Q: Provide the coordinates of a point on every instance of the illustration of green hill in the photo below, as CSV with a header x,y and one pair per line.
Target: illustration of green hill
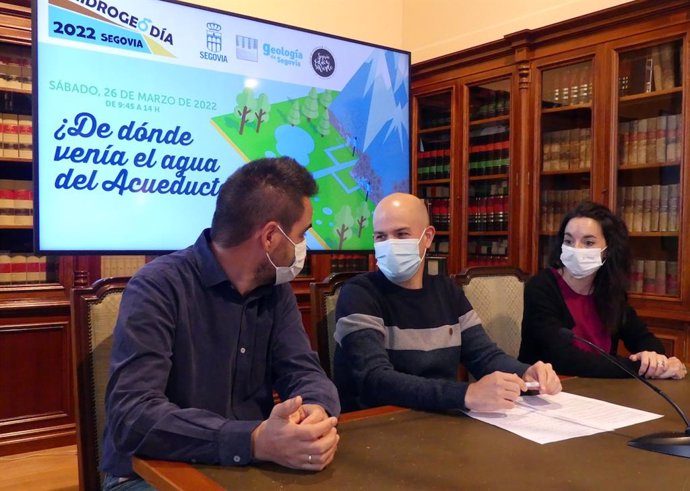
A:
x,y
301,128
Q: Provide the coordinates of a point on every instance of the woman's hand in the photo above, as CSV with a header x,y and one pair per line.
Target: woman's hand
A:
x,y
655,365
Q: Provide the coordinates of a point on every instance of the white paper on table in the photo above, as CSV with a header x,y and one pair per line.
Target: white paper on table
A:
x,y
552,418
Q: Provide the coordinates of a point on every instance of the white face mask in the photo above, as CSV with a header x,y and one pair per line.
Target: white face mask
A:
x,y
398,259
581,262
285,274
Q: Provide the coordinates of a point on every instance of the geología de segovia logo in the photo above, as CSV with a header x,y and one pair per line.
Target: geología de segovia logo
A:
x,y
283,55
322,62
214,44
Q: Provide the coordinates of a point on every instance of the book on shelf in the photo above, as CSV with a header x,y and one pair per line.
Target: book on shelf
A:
x,y
656,277
638,207
667,72
650,141
567,149
633,142
646,208
641,147
10,135
637,275
17,268
655,206
673,203
655,57
13,70
673,138
22,268
33,269
7,207
649,277
25,139
5,268
650,208
23,203
663,208
26,73
661,129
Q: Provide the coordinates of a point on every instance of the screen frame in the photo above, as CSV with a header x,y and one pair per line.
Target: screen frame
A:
x,y
151,252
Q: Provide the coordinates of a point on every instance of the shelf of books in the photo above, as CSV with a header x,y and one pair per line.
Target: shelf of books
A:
x,y
433,166
649,157
566,146
488,211
19,266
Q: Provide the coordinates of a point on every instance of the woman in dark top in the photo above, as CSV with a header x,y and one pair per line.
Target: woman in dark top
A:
x,y
585,291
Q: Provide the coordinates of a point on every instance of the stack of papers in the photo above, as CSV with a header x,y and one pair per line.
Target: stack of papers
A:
x,y
546,418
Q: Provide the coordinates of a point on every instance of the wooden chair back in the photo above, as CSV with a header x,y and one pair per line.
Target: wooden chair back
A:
x,y
324,296
94,314
496,295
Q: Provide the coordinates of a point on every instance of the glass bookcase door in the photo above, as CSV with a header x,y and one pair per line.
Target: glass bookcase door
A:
x,y
488,211
566,146
433,166
19,265
649,163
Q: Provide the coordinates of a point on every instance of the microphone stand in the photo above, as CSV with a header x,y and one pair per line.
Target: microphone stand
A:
x,y
668,442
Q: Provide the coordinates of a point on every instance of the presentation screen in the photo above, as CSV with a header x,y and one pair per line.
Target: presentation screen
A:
x,y
143,108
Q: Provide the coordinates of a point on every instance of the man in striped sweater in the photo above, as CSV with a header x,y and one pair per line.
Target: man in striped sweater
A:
x,y
401,333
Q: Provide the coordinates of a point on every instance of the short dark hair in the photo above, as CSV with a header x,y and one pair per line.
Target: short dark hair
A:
x,y
612,280
258,192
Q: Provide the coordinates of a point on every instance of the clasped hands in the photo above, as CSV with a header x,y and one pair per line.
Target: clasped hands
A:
x,y
296,435
499,390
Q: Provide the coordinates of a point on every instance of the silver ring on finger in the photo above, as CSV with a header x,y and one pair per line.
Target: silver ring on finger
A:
x,y
309,459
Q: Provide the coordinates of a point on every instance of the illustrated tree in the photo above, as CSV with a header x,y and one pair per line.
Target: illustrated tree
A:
x,y
294,116
310,108
324,126
263,108
245,107
343,223
363,214
325,98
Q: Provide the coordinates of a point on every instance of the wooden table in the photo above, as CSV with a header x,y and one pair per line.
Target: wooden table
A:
x,y
391,448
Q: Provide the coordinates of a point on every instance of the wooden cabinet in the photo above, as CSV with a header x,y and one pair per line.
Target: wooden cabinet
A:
x,y
36,394
590,108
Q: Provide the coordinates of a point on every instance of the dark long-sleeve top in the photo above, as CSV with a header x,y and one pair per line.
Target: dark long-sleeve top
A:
x,y
545,316
400,346
193,363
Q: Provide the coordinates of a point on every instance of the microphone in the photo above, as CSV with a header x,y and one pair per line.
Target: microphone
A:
x,y
671,443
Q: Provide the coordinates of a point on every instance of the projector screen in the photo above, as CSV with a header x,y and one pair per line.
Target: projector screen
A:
x,y
142,109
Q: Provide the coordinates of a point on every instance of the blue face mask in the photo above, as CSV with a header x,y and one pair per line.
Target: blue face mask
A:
x,y
398,259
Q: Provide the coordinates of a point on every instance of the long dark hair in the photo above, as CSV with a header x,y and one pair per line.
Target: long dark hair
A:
x,y
612,280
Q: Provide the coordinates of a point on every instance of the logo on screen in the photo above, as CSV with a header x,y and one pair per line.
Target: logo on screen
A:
x,y
214,44
214,38
283,55
246,48
322,62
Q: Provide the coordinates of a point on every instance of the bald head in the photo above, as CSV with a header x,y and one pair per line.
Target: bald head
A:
x,y
400,212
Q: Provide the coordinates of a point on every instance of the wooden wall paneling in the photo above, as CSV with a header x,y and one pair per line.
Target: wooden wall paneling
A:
x,y
36,402
674,335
